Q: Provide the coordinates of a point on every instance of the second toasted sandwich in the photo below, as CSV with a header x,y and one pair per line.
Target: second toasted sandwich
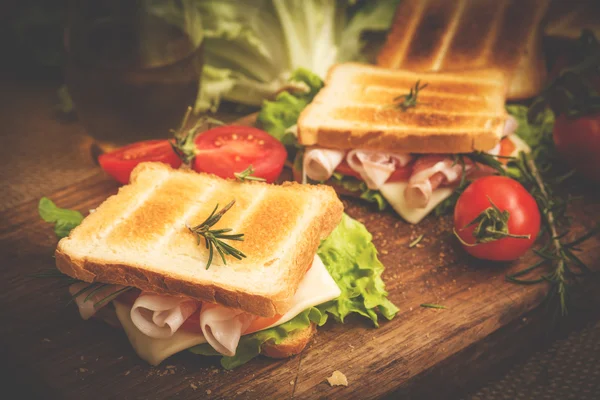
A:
x,y
394,134
440,35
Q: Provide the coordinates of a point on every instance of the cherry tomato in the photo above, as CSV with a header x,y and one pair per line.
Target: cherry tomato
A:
x,y
120,162
400,174
228,149
577,140
507,194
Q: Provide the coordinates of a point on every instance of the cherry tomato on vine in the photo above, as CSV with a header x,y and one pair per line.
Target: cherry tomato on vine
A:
x,y
496,219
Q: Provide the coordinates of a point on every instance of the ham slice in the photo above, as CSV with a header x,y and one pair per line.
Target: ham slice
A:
x,y
430,172
222,327
319,164
374,167
87,308
160,316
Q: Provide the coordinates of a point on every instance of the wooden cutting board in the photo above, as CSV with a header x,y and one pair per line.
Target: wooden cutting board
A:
x,y
423,352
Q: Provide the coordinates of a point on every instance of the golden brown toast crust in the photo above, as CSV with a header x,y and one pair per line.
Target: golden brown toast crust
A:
x,y
292,345
440,35
457,113
146,244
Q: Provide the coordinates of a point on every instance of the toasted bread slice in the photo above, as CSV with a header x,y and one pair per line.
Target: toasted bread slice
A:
x,y
292,345
139,238
455,113
440,35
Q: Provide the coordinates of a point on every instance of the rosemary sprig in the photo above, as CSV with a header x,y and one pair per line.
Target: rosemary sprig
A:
x,y
214,238
183,139
246,175
429,305
557,256
409,100
415,242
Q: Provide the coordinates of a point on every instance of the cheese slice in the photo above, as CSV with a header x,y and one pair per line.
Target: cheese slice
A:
x,y
394,191
316,288
151,350
394,194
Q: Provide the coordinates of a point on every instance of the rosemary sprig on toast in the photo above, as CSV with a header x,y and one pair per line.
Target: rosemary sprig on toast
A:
x,y
214,239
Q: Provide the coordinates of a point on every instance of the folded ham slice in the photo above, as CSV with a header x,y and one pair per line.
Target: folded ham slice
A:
x,y
222,327
375,167
319,164
430,172
160,316
87,308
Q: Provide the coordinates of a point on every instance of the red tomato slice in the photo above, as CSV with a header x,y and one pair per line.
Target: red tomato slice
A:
x,y
506,148
345,169
120,162
400,174
261,323
228,149
192,324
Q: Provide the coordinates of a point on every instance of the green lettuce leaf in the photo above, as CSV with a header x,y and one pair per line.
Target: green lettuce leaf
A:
x,y
537,133
354,185
258,43
64,220
351,259
277,116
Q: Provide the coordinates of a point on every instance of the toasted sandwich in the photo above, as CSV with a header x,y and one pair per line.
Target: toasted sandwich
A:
x,y
180,272
374,131
439,35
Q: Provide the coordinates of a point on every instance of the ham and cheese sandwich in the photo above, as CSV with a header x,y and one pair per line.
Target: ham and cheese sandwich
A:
x,y
355,130
441,35
136,251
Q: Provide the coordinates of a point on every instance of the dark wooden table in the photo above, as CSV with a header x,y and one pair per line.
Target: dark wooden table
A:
x,y
422,353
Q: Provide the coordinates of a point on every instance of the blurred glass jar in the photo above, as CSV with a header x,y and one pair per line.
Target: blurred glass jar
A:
x,y
133,66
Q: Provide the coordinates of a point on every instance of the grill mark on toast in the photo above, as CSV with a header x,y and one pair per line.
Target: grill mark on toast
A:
x,y
90,225
434,26
180,225
449,37
406,21
157,215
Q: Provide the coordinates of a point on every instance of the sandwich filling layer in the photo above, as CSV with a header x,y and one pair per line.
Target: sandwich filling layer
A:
x,y
159,326
414,184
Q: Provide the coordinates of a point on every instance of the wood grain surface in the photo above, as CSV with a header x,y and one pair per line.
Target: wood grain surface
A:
x,y
421,353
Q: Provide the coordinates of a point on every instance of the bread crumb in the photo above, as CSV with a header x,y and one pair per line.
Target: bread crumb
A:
x,y
120,358
81,358
46,340
337,379
193,386
170,367
83,370
208,391
291,383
